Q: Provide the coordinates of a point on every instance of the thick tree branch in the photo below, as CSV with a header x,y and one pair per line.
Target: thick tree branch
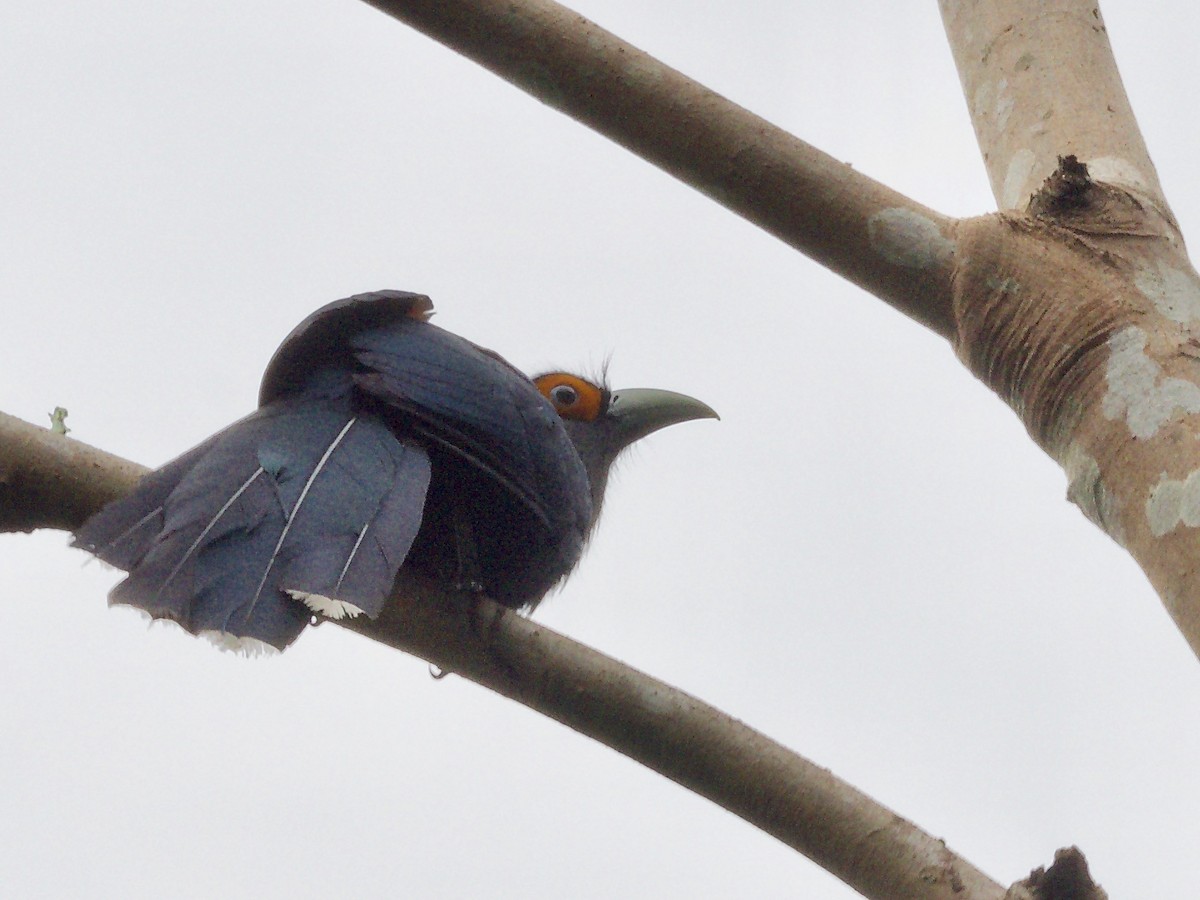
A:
x,y
48,480
875,237
1079,308
868,846
1083,313
1041,82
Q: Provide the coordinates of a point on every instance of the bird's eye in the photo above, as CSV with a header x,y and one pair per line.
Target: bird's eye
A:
x,y
572,397
564,395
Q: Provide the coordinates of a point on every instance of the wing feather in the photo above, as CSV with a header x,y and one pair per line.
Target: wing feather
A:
x,y
481,409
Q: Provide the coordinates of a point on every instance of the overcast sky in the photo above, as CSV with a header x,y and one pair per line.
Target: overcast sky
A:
x,y
867,558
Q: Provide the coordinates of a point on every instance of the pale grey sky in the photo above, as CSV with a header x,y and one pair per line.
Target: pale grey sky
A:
x,y
866,559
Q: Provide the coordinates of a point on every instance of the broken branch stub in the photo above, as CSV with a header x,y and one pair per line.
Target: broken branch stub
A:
x,y
1084,315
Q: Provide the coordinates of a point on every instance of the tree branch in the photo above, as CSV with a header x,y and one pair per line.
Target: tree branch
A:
x,y
868,846
1084,314
1071,313
48,480
1041,82
870,234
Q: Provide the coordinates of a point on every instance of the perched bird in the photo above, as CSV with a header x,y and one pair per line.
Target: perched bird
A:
x,y
381,442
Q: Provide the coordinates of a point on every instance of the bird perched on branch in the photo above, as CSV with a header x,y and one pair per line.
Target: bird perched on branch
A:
x,y
381,442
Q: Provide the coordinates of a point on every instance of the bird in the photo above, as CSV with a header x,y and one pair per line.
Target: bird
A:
x,y
382,444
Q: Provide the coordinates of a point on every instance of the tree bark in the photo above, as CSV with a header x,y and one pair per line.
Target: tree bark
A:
x,y
877,238
1041,82
1078,307
1075,302
1078,304
874,850
48,480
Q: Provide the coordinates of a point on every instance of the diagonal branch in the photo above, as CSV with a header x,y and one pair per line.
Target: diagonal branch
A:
x,y
48,480
866,232
868,846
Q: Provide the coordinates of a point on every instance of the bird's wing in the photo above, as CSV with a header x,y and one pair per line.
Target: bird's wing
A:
x,y
323,338
477,406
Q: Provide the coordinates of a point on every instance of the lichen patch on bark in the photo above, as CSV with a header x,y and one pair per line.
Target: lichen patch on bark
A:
x,y
1174,502
908,239
1005,101
1173,291
1017,178
1118,172
1137,389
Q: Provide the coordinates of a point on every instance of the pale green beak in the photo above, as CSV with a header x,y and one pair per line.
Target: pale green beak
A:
x,y
637,412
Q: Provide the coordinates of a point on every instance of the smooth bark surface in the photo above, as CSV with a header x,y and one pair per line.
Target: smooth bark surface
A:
x,y
1040,82
49,480
877,238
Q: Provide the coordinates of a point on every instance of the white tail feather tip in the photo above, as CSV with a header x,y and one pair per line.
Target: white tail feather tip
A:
x,y
326,606
243,646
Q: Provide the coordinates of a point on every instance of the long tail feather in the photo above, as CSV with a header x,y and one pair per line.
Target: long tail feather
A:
x,y
299,497
358,519
124,530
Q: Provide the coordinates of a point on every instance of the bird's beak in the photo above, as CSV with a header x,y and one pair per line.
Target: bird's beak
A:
x,y
637,412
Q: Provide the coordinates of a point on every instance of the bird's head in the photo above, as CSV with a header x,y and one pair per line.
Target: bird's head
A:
x,y
602,422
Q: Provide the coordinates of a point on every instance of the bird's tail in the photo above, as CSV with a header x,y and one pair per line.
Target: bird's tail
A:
x,y
305,506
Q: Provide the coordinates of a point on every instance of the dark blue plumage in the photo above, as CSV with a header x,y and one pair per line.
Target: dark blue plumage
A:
x,y
381,442
315,500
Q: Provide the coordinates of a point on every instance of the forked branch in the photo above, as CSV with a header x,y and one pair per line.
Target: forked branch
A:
x,y
1080,309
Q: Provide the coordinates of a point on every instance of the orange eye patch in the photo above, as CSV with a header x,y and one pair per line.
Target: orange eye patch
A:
x,y
572,397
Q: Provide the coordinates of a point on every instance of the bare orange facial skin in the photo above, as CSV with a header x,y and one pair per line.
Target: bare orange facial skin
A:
x,y
572,397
